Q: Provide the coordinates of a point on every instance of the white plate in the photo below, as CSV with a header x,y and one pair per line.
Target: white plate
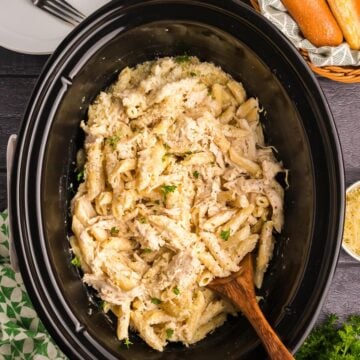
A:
x,y
27,29
344,246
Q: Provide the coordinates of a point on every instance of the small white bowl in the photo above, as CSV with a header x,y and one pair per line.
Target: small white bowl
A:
x,y
355,256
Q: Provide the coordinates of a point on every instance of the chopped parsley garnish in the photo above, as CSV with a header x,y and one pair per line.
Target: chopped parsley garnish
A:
x,y
147,251
156,301
157,202
127,343
166,189
196,174
142,220
169,333
80,176
113,140
114,231
225,234
192,74
182,59
102,304
76,262
166,146
176,290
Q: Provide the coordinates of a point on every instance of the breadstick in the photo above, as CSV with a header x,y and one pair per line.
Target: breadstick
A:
x,y
347,14
316,21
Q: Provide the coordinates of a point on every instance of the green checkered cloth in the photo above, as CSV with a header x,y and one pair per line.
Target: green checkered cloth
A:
x,y
340,55
22,335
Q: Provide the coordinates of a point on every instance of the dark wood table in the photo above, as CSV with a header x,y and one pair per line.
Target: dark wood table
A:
x,y
18,74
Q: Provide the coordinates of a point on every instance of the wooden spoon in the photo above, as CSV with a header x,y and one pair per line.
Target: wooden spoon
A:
x,y
239,288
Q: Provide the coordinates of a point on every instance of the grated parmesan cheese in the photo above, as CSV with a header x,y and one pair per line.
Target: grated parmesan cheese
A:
x,y
352,221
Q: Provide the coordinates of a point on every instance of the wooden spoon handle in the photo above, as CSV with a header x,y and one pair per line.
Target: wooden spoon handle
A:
x,y
241,292
274,346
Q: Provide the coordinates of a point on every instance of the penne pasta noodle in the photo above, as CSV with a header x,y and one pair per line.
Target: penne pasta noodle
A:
x,y
95,177
266,247
218,219
248,165
237,90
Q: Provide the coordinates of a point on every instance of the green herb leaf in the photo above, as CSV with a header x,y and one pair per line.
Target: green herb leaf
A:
x,y
113,140
196,174
333,342
114,231
166,189
225,234
176,290
156,301
169,333
182,59
192,73
157,202
127,343
76,262
147,251
142,220
80,176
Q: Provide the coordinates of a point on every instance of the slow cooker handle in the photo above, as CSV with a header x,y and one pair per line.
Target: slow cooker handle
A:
x,y
9,164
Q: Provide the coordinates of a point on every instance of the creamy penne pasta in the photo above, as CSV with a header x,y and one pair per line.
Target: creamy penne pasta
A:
x,y
177,190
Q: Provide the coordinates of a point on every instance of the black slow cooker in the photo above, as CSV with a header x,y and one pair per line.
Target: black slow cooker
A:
x,y
297,122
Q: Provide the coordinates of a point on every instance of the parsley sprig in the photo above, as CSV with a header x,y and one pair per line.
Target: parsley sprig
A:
x,y
225,234
156,301
80,176
176,290
196,174
167,189
169,333
182,59
127,343
102,305
332,341
76,262
113,140
114,231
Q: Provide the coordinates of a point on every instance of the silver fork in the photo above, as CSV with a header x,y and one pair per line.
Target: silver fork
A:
x,y
61,9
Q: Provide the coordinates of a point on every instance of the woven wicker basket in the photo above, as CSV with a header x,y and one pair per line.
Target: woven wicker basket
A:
x,y
345,74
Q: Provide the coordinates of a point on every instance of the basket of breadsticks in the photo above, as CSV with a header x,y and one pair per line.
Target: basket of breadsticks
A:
x,y
326,32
